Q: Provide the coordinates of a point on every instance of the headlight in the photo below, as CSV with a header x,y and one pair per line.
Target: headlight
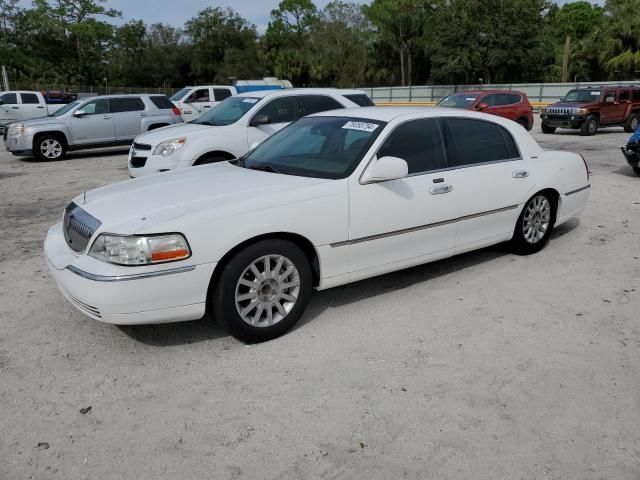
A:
x,y
169,147
140,250
16,129
580,111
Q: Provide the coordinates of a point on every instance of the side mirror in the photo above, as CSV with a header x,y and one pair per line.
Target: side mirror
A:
x,y
259,119
482,106
384,169
79,113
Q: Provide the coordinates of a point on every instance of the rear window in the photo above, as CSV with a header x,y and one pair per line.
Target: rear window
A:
x,y
220,94
29,98
126,104
360,99
458,100
162,102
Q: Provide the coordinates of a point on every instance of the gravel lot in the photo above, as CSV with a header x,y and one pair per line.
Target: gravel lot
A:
x,y
483,366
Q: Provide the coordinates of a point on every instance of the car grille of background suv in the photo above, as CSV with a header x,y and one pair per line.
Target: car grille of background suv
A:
x,y
78,227
559,111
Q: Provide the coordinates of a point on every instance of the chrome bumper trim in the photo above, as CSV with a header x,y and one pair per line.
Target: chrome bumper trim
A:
x,y
124,278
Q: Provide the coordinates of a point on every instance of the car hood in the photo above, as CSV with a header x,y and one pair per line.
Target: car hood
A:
x,y
154,137
34,122
221,189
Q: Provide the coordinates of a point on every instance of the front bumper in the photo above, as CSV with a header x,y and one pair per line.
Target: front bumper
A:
x,y
142,163
571,121
632,155
127,295
19,144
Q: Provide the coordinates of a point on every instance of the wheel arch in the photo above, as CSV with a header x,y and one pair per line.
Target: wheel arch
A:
x,y
58,133
301,241
214,153
157,125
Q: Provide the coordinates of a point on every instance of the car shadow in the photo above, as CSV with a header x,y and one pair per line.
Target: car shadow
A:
x,y
180,333
80,154
627,171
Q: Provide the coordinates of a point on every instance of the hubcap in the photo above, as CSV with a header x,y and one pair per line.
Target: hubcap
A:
x,y
537,217
634,123
51,148
267,290
592,126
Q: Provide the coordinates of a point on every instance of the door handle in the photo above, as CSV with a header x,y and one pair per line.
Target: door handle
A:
x,y
40,106
106,117
520,174
440,189
207,106
16,108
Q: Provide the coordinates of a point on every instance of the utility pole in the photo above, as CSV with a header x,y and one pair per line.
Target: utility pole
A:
x,y
5,79
565,60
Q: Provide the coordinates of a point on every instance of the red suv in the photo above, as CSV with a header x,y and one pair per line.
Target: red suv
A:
x,y
504,103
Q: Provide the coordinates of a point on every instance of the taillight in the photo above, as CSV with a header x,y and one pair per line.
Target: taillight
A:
x,y
586,167
176,111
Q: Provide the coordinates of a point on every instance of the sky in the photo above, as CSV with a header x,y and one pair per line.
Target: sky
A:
x,y
176,12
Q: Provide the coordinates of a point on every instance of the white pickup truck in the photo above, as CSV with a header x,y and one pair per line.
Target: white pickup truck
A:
x,y
18,105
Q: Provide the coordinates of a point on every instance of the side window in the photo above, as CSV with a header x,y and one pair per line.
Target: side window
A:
x,y
29,98
636,95
220,94
623,95
280,110
471,142
200,95
510,98
610,96
308,104
96,107
9,99
126,104
419,143
360,99
491,100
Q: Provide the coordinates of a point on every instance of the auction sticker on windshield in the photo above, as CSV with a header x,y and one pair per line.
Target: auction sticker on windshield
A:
x,y
362,126
250,100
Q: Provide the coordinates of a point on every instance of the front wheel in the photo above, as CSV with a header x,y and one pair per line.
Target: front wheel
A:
x,y
548,129
534,225
49,147
263,291
637,170
589,126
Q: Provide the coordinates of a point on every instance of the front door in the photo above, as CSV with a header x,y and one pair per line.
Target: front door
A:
x,y
96,125
406,221
31,106
9,109
490,175
128,113
280,112
612,109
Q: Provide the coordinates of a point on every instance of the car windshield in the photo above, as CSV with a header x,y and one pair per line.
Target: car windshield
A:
x,y
67,108
318,147
458,100
582,96
227,112
178,95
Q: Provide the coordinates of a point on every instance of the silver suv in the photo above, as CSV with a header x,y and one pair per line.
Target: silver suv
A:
x,y
90,123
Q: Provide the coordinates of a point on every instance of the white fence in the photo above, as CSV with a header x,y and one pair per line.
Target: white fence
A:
x,y
537,92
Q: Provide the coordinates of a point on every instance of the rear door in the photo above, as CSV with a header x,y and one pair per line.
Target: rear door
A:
x,y
96,125
31,106
503,104
220,94
9,109
198,102
281,112
127,115
490,176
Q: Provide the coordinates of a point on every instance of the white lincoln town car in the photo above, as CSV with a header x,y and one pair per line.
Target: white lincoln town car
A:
x,y
333,198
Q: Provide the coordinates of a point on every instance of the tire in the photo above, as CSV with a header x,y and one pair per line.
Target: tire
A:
x,y
535,224
524,123
637,170
590,126
238,289
547,129
49,148
632,123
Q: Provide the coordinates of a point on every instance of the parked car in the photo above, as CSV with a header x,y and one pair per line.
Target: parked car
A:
x,y
504,103
18,105
631,151
587,109
90,123
334,198
194,101
230,129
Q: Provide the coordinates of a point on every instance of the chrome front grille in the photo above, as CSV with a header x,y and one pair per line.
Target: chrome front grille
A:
x,y
559,111
78,227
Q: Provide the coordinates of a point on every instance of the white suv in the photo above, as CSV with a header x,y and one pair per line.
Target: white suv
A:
x,y
233,127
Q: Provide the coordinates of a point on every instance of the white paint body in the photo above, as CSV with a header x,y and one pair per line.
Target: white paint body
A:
x,y
21,110
219,206
235,139
191,110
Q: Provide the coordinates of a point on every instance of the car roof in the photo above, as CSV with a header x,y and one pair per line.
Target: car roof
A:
x,y
301,91
490,91
120,95
387,114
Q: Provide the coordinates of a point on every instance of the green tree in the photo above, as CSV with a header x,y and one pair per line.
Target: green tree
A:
x,y
619,39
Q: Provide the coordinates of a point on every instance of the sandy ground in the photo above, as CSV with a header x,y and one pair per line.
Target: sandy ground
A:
x,y
483,366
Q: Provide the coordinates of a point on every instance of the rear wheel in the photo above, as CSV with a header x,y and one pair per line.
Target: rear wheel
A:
x,y
535,224
263,290
632,123
524,123
548,129
49,147
589,126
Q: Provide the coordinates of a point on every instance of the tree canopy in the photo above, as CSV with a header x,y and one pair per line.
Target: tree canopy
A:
x,y
383,42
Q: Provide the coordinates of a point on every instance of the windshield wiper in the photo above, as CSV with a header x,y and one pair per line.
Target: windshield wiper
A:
x,y
264,168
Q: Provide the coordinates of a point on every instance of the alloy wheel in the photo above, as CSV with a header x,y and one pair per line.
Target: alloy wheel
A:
x,y
267,290
536,220
51,148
